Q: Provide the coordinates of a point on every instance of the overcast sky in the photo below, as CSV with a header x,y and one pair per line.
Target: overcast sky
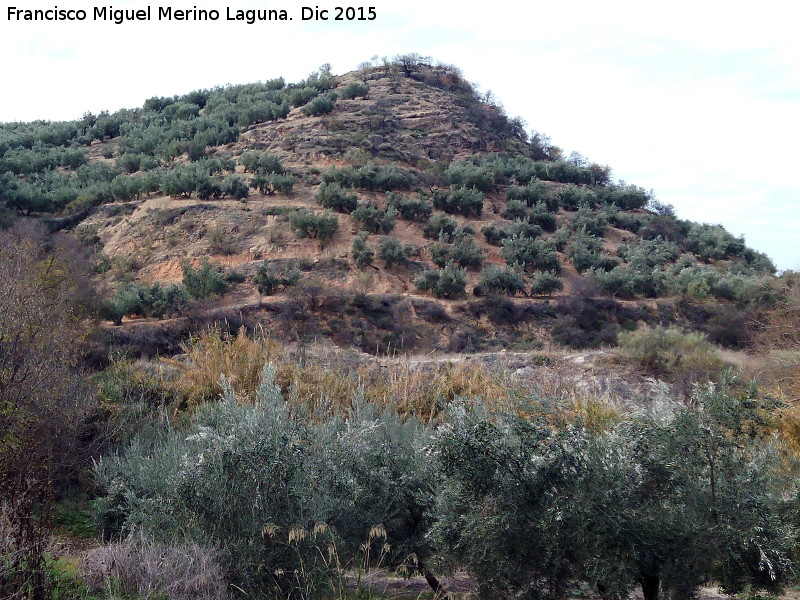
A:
x,y
699,101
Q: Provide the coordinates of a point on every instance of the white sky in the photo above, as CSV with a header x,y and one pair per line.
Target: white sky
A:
x,y
698,100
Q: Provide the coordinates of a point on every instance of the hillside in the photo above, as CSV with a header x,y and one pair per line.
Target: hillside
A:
x,y
388,209
301,340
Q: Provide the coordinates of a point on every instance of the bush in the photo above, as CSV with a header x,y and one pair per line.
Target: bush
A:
x,y
302,485
448,282
499,280
206,281
530,254
571,197
408,208
440,227
684,357
464,252
263,163
353,90
321,105
584,251
459,201
331,195
591,222
370,177
468,175
269,184
532,194
270,279
392,252
546,283
315,226
362,254
374,219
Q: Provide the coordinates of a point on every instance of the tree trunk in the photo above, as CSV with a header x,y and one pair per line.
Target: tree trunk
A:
x,y
650,585
440,592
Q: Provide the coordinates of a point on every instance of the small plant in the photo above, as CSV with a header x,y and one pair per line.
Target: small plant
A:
x,y
208,280
270,279
448,282
499,280
315,226
374,219
545,283
362,254
440,227
332,196
393,253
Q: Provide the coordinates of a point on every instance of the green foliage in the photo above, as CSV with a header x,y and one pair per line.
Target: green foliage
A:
x,y
409,208
545,283
440,227
499,280
374,219
463,251
269,184
534,500
626,197
207,280
468,175
353,90
235,187
148,301
302,95
464,201
532,194
262,163
332,196
672,353
584,251
530,254
321,105
362,254
392,252
301,484
447,282
270,279
590,221
571,197
315,226
380,178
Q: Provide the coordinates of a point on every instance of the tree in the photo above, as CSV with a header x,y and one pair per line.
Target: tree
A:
x,y
207,280
44,408
392,252
362,254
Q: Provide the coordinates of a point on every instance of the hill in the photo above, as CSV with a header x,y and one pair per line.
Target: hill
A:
x,y
391,208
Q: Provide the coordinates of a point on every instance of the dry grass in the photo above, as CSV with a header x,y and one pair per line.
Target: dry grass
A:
x,y
141,568
332,383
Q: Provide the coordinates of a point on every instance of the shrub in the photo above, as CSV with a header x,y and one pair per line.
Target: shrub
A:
x,y
499,280
331,195
684,357
269,184
370,177
464,252
374,219
592,222
532,194
315,226
546,283
627,197
302,96
408,208
270,279
530,254
440,227
362,254
540,215
468,175
516,209
571,197
205,281
321,105
261,162
392,252
353,90
584,251
465,201
448,282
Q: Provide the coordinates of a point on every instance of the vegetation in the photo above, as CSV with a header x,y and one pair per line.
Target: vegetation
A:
x,y
447,282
